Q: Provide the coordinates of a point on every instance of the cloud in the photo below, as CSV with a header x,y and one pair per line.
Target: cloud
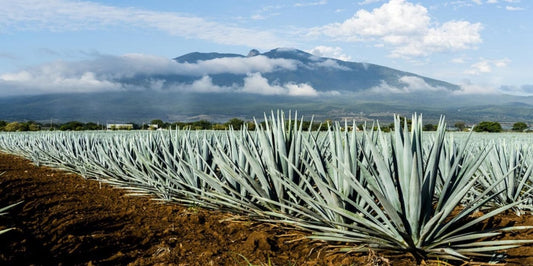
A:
x,y
130,65
329,63
140,72
328,51
48,80
366,2
486,66
467,87
65,15
240,65
458,60
256,83
410,84
513,8
524,90
258,17
316,3
404,27
202,85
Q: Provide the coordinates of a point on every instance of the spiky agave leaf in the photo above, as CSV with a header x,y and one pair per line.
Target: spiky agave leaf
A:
x,y
404,212
509,162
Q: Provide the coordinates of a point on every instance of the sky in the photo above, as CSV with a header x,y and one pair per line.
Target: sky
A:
x,y
485,46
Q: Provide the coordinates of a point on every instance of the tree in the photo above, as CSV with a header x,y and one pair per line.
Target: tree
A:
x,y
460,125
14,126
34,127
220,127
488,126
519,126
201,124
429,127
236,123
91,126
251,125
385,129
72,125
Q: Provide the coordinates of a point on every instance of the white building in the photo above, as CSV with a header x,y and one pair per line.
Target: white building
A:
x,y
119,126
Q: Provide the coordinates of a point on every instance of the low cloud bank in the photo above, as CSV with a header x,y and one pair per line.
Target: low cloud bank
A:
x,y
409,84
524,90
138,72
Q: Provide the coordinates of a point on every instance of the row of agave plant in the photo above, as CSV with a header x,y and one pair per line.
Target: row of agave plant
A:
x,y
403,191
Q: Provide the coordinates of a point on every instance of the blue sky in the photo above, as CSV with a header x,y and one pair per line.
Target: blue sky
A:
x,y
483,45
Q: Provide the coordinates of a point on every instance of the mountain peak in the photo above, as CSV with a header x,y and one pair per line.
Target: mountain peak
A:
x,y
197,56
253,52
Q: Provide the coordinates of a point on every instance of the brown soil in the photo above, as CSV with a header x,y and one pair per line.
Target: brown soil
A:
x,y
67,220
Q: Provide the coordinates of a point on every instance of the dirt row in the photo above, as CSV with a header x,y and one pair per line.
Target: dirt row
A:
x,y
67,220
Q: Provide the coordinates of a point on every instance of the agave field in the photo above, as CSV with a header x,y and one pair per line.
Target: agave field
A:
x,y
408,191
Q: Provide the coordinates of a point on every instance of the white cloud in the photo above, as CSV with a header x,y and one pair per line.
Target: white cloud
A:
x,y
410,84
256,83
316,3
51,81
329,63
241,65
138,72
405,27
205,84
492,1
468,87
513,8
486,66
328,51
132,64
477,2
366,2
65,15
258,17
301,89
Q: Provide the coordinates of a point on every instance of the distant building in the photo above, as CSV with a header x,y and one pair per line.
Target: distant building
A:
x,y
119,126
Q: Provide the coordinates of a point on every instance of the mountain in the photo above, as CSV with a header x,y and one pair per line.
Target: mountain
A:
x,y
196,56
323,74
220,86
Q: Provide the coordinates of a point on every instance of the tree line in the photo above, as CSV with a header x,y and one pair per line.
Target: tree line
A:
x,y
235,123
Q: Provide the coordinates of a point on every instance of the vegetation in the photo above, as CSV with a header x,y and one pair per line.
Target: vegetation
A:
x,y
460,125
234,123
488,126
519,126
20,126
401,192
430,127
